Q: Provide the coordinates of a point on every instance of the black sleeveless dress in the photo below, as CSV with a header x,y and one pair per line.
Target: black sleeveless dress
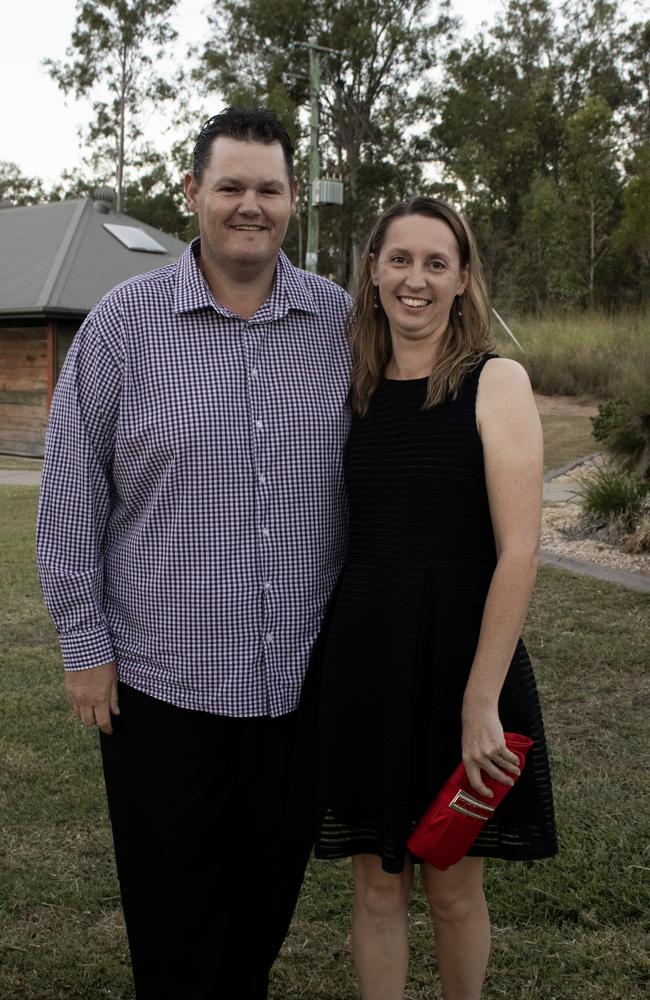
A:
x,y
381,706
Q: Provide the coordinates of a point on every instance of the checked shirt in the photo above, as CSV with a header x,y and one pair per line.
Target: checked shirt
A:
x,y
192,520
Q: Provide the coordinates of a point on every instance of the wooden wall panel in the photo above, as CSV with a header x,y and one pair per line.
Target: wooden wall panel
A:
x,y
23,359
23,390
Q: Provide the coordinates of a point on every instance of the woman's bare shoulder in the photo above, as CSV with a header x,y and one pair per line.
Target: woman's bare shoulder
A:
x,y
504,392
504,372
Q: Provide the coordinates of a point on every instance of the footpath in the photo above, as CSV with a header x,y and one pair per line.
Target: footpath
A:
x,y
553,493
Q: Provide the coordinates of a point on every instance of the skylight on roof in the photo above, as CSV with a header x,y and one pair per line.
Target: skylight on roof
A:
x,y
134,239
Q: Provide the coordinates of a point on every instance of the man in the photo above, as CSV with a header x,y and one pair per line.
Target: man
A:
x,y
191,528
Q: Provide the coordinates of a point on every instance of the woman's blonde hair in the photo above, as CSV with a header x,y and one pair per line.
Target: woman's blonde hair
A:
x,y
467,336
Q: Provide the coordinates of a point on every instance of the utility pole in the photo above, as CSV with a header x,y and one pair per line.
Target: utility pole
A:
x,y
328,192
311,259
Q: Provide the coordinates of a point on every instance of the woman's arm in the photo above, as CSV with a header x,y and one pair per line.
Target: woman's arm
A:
x,y
511,433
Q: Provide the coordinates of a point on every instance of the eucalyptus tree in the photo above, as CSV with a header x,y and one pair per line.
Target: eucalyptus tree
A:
x,y
111,60
535,118
16,188
638,79
593,50
631,240
155,195
593,184
538,269
497,125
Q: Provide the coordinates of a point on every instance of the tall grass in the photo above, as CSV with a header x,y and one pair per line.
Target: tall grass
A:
x,y
588,354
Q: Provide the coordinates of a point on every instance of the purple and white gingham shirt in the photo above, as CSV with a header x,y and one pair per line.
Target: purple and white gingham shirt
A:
x,y
192,519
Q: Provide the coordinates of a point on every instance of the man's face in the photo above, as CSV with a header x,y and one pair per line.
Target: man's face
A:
x,y
243,203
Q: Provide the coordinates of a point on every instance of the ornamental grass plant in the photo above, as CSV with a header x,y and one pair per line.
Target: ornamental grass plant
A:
x,y
617,495
611,499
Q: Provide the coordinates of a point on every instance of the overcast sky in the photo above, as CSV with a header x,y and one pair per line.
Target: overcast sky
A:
x,y
39,131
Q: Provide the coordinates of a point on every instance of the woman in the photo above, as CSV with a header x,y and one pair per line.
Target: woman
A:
x,y
420,662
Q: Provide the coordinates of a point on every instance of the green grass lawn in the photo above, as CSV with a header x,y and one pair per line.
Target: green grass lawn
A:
x,y
572,928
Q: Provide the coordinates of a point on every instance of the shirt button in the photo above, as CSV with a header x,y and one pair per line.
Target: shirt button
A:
x,y
259,424
267,585
254,372
265,532
268,637
263,480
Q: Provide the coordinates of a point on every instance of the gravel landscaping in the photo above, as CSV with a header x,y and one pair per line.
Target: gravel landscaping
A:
x,y
561,532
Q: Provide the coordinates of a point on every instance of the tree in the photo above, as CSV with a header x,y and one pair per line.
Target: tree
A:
x,y
631,241
537,116
540,264
18,189
593,187
113,47
155,197
497,124
374,92
638,67
593,49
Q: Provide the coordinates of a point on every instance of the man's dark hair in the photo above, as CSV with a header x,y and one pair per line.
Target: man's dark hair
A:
x,y
246,124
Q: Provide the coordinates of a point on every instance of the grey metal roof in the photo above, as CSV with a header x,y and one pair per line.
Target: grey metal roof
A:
x,y
58,258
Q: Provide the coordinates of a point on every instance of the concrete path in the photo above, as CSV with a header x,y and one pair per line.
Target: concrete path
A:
x,y
633,581
558,493
20,477
561,492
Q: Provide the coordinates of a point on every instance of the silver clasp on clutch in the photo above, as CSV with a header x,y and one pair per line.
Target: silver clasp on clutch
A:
x,y
466,804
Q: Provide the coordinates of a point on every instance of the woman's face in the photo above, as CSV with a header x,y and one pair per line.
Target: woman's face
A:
x,y
418,274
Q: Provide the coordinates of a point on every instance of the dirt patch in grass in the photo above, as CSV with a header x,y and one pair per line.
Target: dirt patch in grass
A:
x,y
565,406
566,438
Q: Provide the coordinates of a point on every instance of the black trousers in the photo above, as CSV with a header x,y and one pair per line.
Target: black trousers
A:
x,y
209,878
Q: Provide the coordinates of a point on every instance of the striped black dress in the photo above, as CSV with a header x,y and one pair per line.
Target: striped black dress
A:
x,y
382,701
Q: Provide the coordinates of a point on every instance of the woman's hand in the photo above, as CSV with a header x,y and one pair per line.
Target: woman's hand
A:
x,y
484,749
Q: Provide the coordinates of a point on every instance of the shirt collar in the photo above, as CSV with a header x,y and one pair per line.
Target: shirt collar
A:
x,y
289,290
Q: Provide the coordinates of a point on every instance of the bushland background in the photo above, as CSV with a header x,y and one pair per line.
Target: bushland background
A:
x,y
538,126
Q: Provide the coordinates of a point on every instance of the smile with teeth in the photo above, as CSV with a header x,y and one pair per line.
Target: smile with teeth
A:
x,y
249,229
414,303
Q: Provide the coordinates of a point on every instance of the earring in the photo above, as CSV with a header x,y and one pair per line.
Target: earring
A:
x,y
459,311
376,301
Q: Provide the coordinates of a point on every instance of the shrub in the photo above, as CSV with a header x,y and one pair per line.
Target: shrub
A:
x,y
609,416
623,425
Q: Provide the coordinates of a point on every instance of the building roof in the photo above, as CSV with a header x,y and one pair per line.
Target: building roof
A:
x,y
59,259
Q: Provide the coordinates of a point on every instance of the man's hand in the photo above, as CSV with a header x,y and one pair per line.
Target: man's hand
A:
x,y
92,695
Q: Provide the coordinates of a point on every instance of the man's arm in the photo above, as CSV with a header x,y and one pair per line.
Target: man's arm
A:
x,y
73,511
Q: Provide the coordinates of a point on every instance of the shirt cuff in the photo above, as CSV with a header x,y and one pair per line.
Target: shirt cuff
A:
x,y
86,649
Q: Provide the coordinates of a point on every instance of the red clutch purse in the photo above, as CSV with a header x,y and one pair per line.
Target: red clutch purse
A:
x,y
454,819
